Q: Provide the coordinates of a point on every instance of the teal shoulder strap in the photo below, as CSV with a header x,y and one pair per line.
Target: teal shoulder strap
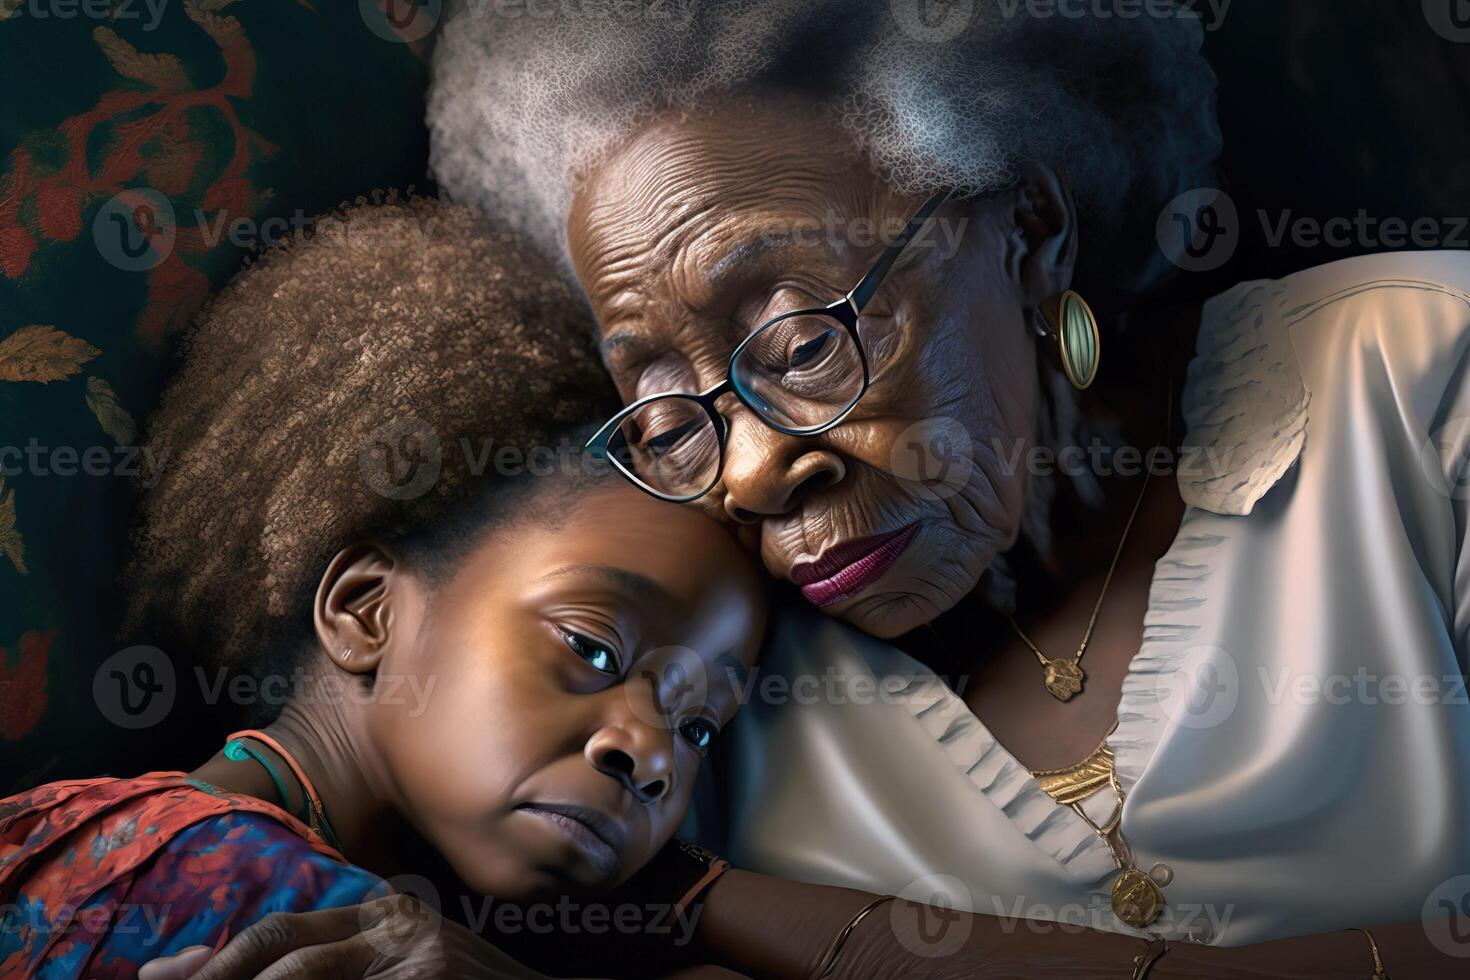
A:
x,y
237,751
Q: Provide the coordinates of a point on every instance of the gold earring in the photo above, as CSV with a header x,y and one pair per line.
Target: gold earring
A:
x,y
1071,322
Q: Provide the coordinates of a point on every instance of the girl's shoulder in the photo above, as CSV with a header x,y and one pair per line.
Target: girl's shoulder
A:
x,y
98,876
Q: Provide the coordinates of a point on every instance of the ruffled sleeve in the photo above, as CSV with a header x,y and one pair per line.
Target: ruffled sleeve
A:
x,y
1245,406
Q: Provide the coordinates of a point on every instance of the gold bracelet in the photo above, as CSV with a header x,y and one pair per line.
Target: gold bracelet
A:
x,y
1378,973
1145,960
829,960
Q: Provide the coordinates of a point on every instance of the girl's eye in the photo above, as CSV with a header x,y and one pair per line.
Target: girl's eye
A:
x,y
599,656
699,734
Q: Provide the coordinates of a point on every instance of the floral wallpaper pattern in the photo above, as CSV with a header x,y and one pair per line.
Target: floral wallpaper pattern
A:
x,y
145,151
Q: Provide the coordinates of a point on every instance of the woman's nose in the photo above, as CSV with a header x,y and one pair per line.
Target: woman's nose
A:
x,y
637,753
769,473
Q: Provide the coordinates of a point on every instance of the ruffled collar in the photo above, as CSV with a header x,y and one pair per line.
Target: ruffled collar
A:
x,y
1245,409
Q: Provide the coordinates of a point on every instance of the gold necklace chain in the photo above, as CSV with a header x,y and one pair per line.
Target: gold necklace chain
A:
x,y
1064,678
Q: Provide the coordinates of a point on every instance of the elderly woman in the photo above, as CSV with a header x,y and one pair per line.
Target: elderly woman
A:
x,y
841,257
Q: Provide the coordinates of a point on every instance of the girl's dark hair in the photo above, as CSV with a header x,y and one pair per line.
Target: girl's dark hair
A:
x,y
400,365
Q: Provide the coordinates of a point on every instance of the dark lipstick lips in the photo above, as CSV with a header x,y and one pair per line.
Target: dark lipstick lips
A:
x,y
846,569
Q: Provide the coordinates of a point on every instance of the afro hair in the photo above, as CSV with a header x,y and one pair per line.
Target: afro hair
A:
x,y
340,387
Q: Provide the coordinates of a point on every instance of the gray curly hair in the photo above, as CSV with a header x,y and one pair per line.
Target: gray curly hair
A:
x,y
528,93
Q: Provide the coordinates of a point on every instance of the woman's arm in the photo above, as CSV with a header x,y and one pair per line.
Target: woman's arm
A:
x,y
768,927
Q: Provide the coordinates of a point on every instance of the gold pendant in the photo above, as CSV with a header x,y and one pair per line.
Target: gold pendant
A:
x,y
1063,678
1137,898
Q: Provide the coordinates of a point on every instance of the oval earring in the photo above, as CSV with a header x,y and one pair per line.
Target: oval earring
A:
x,y
1071,322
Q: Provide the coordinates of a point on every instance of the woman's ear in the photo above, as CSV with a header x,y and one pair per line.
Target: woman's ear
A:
x,y
1043,244
354,608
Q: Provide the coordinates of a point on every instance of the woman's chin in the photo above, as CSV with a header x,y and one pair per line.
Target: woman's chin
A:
x,y
889,610
892,616
938,567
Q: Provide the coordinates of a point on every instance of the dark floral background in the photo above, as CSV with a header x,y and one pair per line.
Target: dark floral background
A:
x,y
142,159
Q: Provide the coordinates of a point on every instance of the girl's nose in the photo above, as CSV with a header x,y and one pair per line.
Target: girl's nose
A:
x,y
635,746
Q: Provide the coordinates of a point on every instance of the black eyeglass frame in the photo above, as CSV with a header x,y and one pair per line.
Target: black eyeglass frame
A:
x,y
846,311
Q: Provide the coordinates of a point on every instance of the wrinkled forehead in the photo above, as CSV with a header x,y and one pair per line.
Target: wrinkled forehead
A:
x,y
685,198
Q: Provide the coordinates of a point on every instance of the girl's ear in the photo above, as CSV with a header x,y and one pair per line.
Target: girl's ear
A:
x,y
353,612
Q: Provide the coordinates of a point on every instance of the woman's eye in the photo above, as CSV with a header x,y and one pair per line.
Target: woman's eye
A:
x,y
664,441
809,350
699,734
599,656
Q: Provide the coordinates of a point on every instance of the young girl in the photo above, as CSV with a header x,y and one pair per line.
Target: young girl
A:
x,y
498,659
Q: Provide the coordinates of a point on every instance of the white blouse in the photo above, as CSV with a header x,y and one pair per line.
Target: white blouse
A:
x,y
1293,735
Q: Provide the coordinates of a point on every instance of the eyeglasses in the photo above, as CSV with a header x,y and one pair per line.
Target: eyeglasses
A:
x,y
801,373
